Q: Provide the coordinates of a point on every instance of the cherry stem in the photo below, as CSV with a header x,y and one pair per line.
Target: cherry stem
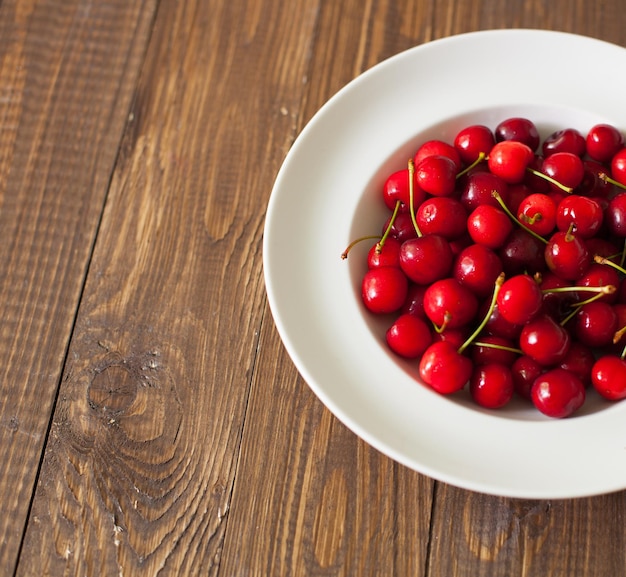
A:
x,y
411,197
498,347
606,178
492,305
549,179
601,260
481,157
608,289
344,254
381,243
579,305
618,335
506,209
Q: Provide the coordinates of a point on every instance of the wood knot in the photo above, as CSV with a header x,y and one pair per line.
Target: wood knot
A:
x,y
113,389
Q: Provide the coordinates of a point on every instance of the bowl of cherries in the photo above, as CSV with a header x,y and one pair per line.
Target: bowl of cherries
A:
x,y
444,255
502,256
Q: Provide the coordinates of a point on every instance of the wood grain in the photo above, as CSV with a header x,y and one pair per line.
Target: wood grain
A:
x,y
138,472
64,98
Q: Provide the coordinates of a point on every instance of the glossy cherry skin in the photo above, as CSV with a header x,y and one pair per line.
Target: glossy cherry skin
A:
x,y
564,167
478,189
595,324
396,188
401,228
520,130
599,275
522,253
608,377
447,303
426,259
524,372
444,368
509,160
437,147
603,142
387,255
558,393
384,289
545,341
519,299
618,166
579,360
436,175
489,225
443,215
409,336
473,140
567,255
414,303
566,140
491,385
477,267
584,214
615,215
538,213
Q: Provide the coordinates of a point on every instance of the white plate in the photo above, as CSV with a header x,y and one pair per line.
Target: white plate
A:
x,y
327,194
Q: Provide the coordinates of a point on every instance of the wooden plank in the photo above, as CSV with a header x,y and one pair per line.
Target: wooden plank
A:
x,y
66,74
138,473
480,535
335,506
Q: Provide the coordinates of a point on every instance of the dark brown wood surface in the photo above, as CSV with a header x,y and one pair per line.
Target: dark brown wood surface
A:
x,y
151,421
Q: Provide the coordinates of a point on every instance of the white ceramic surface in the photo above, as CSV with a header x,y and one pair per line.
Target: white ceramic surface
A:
x,y
327,193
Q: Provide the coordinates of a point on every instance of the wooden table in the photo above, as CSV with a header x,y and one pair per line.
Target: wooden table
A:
x,y
150,419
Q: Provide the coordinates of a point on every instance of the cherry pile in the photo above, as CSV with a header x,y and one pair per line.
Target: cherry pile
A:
x,y
500,264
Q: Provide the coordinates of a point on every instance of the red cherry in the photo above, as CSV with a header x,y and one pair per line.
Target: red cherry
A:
x,y
608,377
509,160
471,141
426,259
491,385
437,148
479,187
522,252
384,289
615,215
401,228
519,130
567,255
477,267
396,188
583,214
545,341
409,336
567,140
387,255
599,275
519,299
444,368
414,303
603,142
579,360
564,167
447,303
443,215
436,175
524,372
489,225
595,324
538,213
558,393
618,166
